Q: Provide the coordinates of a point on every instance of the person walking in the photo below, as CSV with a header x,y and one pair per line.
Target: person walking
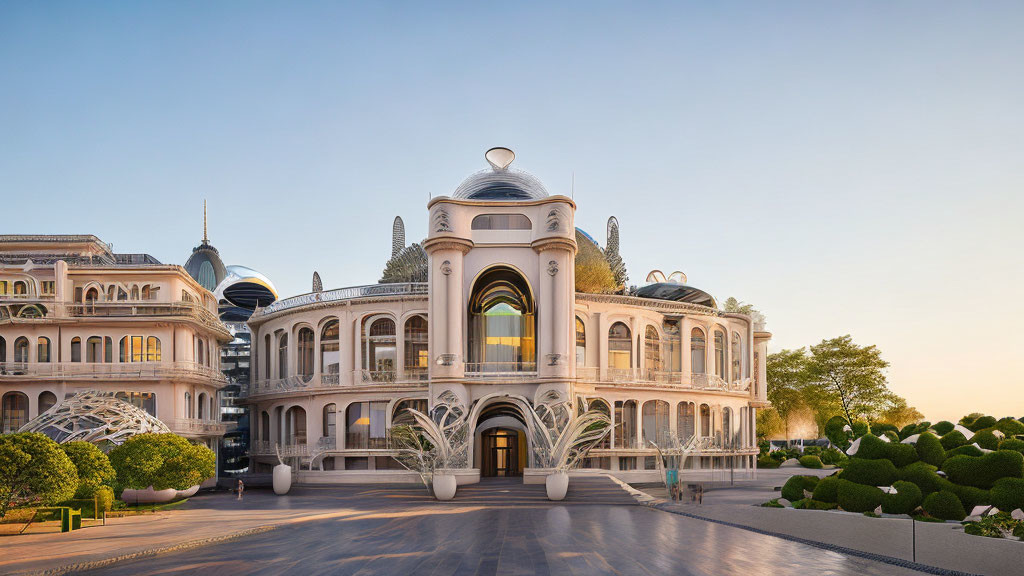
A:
x,y
241,488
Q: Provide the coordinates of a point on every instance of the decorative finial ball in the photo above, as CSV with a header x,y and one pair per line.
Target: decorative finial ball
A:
x,y
500,158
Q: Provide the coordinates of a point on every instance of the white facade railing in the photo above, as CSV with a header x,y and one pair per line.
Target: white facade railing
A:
x,y
198,426
105,371
401,289
500,369
633,376
146,308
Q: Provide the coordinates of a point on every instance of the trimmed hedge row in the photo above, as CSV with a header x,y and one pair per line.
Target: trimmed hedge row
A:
x,y
966,450
827,489
869,472
810,504
1007,494
986,439
1012,444
943,427
944,505
906,499
810,462
793,489
854,497
983,471
929,449
953,439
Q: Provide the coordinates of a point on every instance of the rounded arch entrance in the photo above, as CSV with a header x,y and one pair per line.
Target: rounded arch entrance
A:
x,y
502,322
500,437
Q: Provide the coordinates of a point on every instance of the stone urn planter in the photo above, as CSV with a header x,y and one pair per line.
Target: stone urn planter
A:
x,y
188,492
444,485
148,496
557,485
282,479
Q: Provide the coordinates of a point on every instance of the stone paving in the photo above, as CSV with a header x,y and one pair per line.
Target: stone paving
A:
x,y
497,527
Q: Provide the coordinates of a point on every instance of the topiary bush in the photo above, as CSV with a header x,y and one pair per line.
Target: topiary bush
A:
x,y
827,489
161,461
93,467
869,472
1009,426
944,505
983,471
834,431
833,457
986,439
810,462
860,428
1007,494
793,489
906,499
878,429
929,449
810,504
1012,444
943,427
952,440
874,448
969,495
923,475
981,423
812,450
34,468
965,450
767,462
854,497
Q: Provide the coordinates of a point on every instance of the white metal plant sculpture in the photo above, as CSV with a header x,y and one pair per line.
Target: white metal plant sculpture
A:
x,y
97,417
446,431
560,439
672,455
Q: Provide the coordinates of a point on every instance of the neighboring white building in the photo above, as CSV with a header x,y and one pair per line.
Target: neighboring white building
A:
x,y
498,311
76,316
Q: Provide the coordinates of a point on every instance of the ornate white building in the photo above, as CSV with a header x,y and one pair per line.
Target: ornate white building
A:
x,y
496,310
75,316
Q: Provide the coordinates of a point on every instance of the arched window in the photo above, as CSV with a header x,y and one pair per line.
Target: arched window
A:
x,y
21,349
213,406
47,400
401,416
672,361
620,347
265,426
153,353
282,356
380,347
278,415
697,351
122,296
330,421
92,295
305,356
189,408
330,357
416,355
501,222
42,349
625,424
720,354
655,423
201,351
14,411
20,287
295,426
76,349
108,349
366,425
685,421
705,420
201,401
123,355
111,293
135,292
736,357
502,323
727,426
652,352
581,343
94,349
146,292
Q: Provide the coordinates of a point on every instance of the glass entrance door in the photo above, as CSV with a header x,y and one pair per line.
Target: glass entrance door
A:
x,y
501,453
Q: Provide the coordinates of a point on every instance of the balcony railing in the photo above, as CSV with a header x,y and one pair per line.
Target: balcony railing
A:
x,y
198,426
105,371
26,297
402,289
633,376
146,309
500,369
331,380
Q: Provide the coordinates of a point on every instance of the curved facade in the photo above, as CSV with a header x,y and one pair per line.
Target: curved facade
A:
x,y
497,322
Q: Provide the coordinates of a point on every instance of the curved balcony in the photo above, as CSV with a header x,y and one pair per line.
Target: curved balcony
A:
x,y
121,371
642,378
147,309
360,378
501,370
402,289
192,427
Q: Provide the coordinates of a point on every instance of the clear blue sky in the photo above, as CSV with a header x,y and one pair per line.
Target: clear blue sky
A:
x,y
848,168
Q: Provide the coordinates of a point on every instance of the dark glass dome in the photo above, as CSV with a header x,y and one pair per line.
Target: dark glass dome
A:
x,y
677,293
505,184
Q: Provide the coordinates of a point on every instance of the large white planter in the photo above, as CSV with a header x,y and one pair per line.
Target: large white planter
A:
x,y
444,486
188,492
148,496
557,485
282,479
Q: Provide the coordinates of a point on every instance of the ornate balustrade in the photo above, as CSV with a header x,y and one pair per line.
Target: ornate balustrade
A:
x,y
105,371
501,369
198,426
635,377
401,289
146,308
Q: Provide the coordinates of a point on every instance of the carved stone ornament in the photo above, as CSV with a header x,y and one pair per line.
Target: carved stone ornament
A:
x,y
446,359
552,267
554,359
554,220
446,267
441,221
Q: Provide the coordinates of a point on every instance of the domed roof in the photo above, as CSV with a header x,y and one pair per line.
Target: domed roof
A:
x,y
93,416
206,266
244,287
678,293
500,183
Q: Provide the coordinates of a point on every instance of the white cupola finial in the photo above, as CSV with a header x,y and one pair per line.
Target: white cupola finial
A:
x,y
499,158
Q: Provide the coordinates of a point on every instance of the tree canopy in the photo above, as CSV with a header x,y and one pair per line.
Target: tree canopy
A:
x,y
93,467
161,461
33,467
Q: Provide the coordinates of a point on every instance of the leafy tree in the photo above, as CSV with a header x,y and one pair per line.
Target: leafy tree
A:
x,y
853,376
769,423
593,274
93,466
898,413
161,461
787,379
32,466
409,265
735,306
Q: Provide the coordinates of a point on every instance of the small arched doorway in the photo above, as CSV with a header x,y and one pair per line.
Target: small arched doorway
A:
x,y
501,445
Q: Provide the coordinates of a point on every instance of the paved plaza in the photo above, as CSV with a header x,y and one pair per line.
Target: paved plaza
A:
x,y
496,527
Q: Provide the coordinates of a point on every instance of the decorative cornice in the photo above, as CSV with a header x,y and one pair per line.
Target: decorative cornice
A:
x,y
555,243
446,242
556,199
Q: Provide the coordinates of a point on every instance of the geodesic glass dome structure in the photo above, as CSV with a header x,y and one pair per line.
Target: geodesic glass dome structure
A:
x,y
97,417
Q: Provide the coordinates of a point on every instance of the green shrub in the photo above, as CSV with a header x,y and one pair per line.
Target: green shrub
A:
x,y
869,472
983,471
986,439
1007,494
104,498
835,433
981,423
32,466
161,461
793,489
943,427
854,497
810,462
995,526
827,489
965,450
1009,426
952,440
944,505
809,504
907,498
833,457
874,448
92,465
812,450
923,475
911,429
969,495
773,503
1012,444
767,463
929,449
878,429
860,428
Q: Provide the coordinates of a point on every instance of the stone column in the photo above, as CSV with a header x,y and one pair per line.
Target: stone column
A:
x,y
447,315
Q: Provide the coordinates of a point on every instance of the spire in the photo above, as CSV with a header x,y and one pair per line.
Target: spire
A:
x,y
206,240
397,236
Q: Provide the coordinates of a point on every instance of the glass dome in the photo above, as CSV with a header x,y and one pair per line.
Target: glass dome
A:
x,y
505,184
